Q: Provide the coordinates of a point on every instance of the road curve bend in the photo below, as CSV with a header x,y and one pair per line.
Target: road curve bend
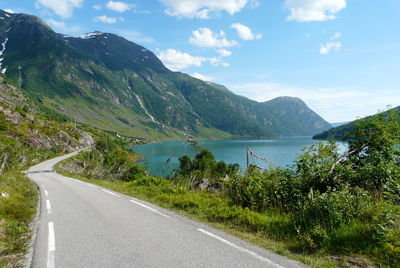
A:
x,y
85,225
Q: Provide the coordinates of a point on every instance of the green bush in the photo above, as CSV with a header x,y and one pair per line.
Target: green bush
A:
x,y
204,166
331,209
276,188
110,161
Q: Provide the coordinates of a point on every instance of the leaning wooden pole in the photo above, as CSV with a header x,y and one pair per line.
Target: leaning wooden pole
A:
x,y
247,158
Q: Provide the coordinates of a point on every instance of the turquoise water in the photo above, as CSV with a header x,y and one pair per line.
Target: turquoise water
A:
x,y
162,158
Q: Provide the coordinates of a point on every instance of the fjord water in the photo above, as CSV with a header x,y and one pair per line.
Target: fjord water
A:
x,y
163,157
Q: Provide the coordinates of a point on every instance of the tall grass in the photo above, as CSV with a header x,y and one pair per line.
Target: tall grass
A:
x,y
16,212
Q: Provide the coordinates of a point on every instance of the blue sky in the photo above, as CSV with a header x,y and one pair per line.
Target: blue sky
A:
x,y
342,57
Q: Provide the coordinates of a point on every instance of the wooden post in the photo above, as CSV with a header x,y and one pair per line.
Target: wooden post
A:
x,y
247,158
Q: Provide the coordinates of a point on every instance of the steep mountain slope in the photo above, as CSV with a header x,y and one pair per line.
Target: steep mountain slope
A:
x,y
111,83
339,132
26,136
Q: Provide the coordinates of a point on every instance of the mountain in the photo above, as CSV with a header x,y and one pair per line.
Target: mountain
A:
x,y
26,135
106,81
339,132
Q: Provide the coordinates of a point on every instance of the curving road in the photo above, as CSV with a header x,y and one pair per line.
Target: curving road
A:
x,y
84,225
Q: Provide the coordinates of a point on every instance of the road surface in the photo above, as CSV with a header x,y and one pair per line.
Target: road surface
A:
x,y
85,225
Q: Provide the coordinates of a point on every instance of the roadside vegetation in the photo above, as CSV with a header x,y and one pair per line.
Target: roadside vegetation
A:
x,y
18,201
330,209
27,137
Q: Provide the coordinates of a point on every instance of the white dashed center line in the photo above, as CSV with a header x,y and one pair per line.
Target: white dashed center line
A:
x,y
48,205
51,247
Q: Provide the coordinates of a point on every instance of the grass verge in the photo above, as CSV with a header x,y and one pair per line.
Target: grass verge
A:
x,y
268,230
18,204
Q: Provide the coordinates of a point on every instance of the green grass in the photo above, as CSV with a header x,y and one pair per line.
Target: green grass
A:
x,y
16,212
271,230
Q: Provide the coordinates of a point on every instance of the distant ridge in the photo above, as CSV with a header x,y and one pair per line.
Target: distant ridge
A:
x,y
339,132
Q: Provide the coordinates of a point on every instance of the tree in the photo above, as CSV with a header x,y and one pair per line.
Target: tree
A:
x,y
374,152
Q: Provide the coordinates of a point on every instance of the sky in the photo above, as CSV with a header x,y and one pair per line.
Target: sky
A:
x,y
342,57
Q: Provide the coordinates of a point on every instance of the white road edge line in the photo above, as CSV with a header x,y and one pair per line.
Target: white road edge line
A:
x,y
252,253
108,192
51,247
46,193
48,205
88,184
150,208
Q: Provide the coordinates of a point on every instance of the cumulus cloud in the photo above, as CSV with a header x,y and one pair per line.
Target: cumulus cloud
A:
x,y
202,77
204,37
314,10
216,61
105,19
202,8
97,7
332,45
119,6
333,104
224,52
63,8
245,33
61,26
177,60
329,47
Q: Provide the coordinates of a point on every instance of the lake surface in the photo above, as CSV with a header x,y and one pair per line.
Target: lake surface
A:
x,y
162,158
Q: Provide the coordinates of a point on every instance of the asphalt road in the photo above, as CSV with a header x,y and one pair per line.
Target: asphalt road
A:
x,y
84,225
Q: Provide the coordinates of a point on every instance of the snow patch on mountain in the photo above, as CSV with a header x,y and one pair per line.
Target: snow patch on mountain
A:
x,y
84,36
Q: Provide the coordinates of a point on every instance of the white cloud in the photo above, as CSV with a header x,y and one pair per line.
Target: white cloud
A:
x,y
177,60
204,37
337,35
329,47
97,7
63,8
61,26
224,52
333,104
215,61
119,6
8,10
202,77
105,19
245,33
314,10
202,8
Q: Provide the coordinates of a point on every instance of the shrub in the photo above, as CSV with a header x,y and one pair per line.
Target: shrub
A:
x,y
319,214
276,188
204,166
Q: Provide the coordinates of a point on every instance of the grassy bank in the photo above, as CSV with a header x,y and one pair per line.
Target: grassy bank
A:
x,y
330,209
17,208
272,230
215,209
